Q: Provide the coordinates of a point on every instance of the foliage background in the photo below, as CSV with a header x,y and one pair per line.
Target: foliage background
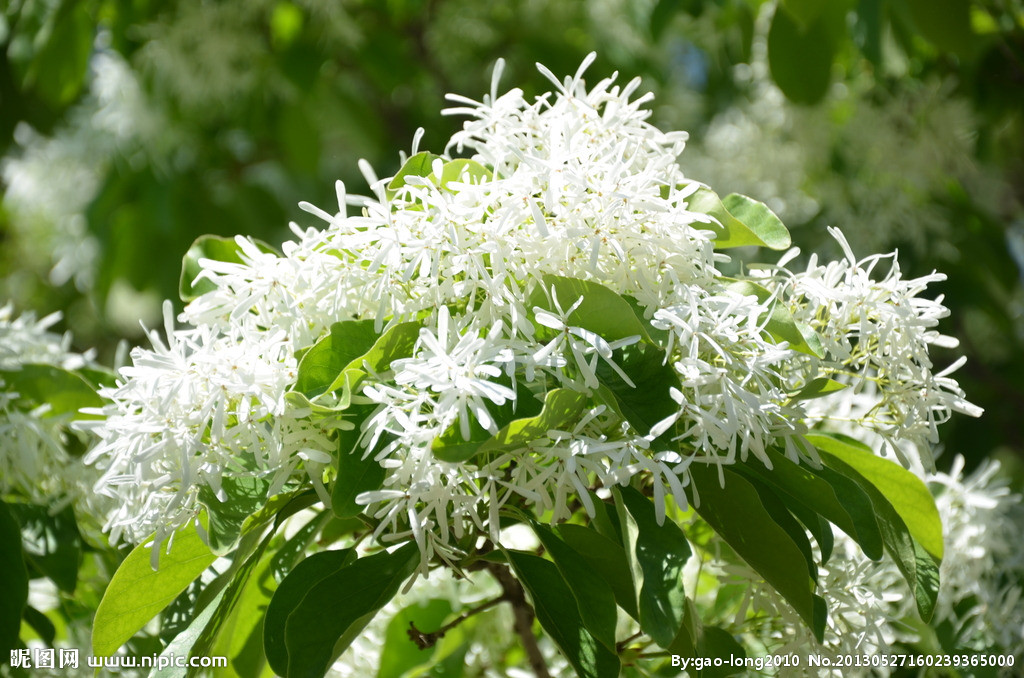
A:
x,y
130,127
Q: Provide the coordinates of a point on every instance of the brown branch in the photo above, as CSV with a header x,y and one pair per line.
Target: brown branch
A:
x,y
523,614
426,640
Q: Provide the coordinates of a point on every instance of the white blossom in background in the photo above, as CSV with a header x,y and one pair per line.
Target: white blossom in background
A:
x,y
575,183
34,461
50,184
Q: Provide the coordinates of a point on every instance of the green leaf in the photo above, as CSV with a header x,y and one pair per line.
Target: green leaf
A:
x,y
400,654
804,11
182,644
357,473
759,220
243,496
322,364
562,407
605,557
137,592
780,323
41,624
800,57
716,642
906,492
418,165
213,247
657,554
51,542
396,342
601,311
58,69
465,170
738,515
752,224
916,564
816,388
826,492
594,598
944,23
559,615
220,618
14,591
241,637
335,609
707,642
648,402
290,593
259,561
64,391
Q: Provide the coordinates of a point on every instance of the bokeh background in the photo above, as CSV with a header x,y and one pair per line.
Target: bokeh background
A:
x,y
130,127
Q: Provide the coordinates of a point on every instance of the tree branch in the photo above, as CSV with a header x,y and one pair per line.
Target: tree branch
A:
x,y
523,614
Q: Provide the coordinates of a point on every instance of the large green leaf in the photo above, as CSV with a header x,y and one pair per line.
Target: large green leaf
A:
x,y
327,358
562,407
647,401
601,310
64,391
243,496
137,592
463,169
826,492
52,543
800,56
400,654
510,417
182,644
241,636
418,165
737,513
919,567
657,554
336,608
14,591
945,23
906,492
289,594
199,638
559,616
58,68
739,221
593,596
607,558
781,325
216,248
357,473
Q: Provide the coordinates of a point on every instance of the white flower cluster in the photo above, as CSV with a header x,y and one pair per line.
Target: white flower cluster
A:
x,y
574,184
34,461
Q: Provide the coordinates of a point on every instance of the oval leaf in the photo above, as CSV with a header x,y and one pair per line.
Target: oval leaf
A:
x,y
594,598
906,492
289,594
14,591
137,592
657,554
337,607
736,513
558,615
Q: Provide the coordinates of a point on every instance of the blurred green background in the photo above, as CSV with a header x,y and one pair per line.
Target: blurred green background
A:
x,y
130,127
